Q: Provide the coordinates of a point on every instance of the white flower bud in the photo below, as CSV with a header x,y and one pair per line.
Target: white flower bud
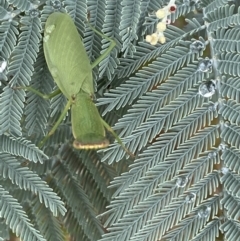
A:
x,y
161,13
161,26
154,39
162,40
148,38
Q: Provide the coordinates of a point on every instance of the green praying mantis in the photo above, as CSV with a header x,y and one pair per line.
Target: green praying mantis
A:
x,y
70,68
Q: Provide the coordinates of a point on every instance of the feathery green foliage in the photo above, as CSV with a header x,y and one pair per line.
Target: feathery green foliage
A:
x,y
174,104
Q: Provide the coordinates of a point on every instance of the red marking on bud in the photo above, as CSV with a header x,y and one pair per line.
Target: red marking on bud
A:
x,y
172,8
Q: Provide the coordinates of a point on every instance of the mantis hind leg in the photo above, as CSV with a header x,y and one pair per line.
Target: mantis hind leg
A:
x,y
108,127
63,114
48,96
108,50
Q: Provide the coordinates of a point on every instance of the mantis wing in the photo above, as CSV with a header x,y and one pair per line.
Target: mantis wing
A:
x,y
66,56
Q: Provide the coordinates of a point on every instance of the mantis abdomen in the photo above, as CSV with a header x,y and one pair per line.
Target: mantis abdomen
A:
x,y
87,127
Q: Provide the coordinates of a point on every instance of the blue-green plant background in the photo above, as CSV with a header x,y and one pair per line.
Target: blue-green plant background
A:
x,y
183,183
